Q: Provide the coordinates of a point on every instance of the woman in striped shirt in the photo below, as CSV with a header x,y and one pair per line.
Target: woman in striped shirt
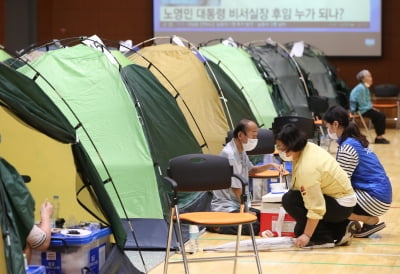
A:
x,y
368,177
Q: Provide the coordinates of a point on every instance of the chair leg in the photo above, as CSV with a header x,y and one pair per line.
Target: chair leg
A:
x,y
169,240
365,125
181,242
253,239
174,212
255,250
239,233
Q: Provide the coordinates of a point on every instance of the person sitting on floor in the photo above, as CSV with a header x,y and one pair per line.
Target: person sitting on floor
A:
x,y
360,100
22,205
40,235
321,198
228,200
368,177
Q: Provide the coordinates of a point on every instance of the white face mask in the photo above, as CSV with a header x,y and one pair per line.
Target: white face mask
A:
x,y
284,157
333,135
250,145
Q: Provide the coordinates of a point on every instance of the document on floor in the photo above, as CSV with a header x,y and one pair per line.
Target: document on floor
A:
x,y
263,244
267,244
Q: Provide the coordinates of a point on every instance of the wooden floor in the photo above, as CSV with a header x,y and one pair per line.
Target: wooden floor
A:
x,y
378,254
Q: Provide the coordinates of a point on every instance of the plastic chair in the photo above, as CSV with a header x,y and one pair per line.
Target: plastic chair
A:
x,y
205,172
387,96
318,105
359,116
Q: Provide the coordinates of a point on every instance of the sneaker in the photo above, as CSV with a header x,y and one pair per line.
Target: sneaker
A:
x,y
351,228
381,141
314,245
368,230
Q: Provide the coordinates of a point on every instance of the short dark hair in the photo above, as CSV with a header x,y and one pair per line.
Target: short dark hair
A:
x,y
337,113
292,137
241,127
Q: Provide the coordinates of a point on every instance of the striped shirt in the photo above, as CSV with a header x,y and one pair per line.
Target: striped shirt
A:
x,y
348,159
36,237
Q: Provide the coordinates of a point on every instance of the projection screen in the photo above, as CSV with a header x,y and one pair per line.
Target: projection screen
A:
x,y
338,28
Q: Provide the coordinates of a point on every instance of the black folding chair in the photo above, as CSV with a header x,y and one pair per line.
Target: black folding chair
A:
x,y
205,172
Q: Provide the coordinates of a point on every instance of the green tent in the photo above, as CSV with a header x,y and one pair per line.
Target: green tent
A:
x,y
166,129
89,90
27,116
10,60
4,55
130,125
243,71
14,222
236,104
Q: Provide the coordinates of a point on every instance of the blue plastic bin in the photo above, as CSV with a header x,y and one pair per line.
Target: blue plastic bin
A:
x,y
72,253
36,269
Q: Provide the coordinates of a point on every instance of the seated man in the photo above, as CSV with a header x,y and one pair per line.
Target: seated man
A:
x,y
228,200
360,100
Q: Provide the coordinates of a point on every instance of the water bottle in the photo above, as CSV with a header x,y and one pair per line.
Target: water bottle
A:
x,y
268,158
193,238
26,263
56,209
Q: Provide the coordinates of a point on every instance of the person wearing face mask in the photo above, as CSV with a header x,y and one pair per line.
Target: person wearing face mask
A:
x,y
360,100
321,198
368,177
228,200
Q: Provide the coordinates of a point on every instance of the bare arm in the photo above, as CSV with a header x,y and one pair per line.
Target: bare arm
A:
x,y
46,211
40,236
238,193
304,238
256,169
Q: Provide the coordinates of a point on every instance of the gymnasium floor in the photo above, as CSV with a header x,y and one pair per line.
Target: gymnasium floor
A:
x,y
378,254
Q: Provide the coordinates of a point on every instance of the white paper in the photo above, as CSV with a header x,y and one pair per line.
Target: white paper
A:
x,y
297,49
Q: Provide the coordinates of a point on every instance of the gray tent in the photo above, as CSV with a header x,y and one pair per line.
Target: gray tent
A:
x,y
275,61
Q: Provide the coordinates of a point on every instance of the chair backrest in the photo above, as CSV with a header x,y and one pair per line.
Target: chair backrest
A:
x,y
318,104
305,124
265,144
200,172
386,90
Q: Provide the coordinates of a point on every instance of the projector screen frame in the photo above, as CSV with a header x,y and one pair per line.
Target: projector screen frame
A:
x,y
346,43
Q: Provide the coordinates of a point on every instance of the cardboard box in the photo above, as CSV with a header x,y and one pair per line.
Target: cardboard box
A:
x,y
273,216
69,253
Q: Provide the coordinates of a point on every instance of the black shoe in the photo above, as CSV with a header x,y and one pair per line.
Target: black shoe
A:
x,y
348,235
381,141
314,245
368,230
